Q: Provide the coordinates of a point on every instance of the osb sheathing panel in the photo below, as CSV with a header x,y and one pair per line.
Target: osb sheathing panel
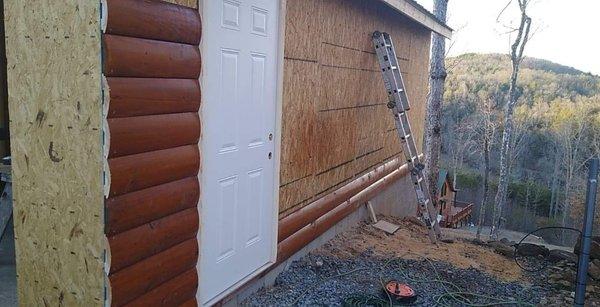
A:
x,y
335,122
53,53
188,3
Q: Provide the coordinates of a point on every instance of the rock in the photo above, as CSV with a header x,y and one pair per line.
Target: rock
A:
x,y
594,269
529,249
557,255
563,284
594,251
447,240
502,249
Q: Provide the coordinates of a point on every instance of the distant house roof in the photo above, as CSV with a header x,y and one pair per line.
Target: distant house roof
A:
x,y
442,177
418,13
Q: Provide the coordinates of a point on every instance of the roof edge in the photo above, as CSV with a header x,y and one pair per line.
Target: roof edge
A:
x,y
416,12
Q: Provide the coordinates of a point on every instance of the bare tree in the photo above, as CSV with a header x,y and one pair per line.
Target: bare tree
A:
x,y
516,57
437,78
489,129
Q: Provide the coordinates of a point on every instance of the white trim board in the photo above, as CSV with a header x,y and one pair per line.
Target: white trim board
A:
x,y
419,14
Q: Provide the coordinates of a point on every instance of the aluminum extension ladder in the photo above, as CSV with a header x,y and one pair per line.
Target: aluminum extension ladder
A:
x,y
399,105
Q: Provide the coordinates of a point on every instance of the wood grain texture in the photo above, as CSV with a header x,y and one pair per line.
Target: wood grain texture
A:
x,y
137,279
136,57
137,208
132,135
140,171
148,96
189,303
54,72
131,246
335,124
154,20
179,291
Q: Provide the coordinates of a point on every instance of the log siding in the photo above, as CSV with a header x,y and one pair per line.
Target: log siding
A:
x,y
151,63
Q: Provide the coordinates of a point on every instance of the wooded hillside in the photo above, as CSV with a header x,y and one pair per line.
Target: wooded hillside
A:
x,y
557,130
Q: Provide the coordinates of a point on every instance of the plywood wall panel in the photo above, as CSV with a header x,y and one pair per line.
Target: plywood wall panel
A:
x,y
299,126
353,129
302,22
337,131
52,50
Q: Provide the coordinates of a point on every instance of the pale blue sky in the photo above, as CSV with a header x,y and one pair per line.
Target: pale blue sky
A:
x,y
566,31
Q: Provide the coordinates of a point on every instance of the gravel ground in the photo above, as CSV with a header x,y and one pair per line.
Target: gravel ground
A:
x,y
321,280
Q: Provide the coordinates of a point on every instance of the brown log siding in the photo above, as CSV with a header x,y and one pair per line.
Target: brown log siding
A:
x,y
151,62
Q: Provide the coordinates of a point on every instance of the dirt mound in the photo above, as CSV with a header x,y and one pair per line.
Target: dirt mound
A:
x,y
411,242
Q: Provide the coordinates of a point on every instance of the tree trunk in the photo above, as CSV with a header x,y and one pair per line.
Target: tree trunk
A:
x,y
516,56
554,192
486,186
527,196
433,137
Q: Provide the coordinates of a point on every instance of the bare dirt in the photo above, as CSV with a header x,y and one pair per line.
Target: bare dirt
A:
x,y
411,242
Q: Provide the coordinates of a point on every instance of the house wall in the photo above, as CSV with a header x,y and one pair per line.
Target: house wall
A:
x,y
132,136
151,62
336,125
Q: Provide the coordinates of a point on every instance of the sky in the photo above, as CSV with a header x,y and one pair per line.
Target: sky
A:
x,y
564,31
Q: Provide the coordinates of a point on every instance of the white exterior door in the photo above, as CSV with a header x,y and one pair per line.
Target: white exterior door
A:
x,y
240,58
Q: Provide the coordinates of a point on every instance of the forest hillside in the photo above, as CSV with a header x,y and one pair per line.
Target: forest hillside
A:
x,y
557,131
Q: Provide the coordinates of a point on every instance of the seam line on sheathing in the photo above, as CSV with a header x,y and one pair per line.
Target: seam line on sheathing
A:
x,y
353,107
295,180
334,167
299,59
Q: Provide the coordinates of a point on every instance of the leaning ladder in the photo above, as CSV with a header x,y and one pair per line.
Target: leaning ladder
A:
x,y
399,105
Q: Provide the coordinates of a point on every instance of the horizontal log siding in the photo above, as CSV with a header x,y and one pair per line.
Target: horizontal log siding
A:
x,y
151,62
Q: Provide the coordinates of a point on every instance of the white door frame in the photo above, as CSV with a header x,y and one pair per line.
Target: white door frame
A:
x,y
277,157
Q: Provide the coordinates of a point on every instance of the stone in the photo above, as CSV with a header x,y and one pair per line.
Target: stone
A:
x,y
563,284
530,249
447,240
594,250
502,249
558,255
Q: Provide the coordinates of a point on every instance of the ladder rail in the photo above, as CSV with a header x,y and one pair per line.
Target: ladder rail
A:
x,y
399,106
